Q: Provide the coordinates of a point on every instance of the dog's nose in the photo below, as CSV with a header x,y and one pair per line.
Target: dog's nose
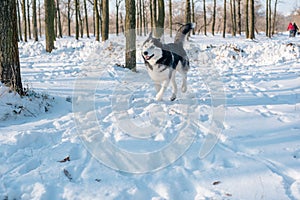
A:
x,y
145,53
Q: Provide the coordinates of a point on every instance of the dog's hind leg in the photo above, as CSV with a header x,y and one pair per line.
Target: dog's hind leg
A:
x,y
184,82
184,79
174,86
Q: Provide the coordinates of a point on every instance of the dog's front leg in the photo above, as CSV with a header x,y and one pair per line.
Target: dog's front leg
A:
x,y
157,86
164,86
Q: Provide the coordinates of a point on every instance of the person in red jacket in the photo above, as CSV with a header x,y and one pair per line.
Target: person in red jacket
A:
x,y
291,28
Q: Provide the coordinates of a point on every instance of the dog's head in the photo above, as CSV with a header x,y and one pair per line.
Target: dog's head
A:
x,y
152,49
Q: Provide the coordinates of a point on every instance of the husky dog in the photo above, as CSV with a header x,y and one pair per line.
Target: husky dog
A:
x,y
163,60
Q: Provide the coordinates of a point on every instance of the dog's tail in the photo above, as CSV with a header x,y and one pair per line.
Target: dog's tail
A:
x,y
182,32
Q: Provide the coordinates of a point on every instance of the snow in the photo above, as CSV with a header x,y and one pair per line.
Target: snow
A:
x,y
90,129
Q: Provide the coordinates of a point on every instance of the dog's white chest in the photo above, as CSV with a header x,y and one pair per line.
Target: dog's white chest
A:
x,y
158,73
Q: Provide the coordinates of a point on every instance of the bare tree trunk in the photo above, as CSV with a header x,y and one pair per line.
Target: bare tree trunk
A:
x,y
80,20
34,21
97,20
86,19
58,19
130,22
10,74
151,14
105,20
252,20
19,22
76,20
193,15
187,11
117,16
214,18
247,18
224,20
49,24
40,19
55,20
267,18
69,17
23,4
141,17
159,20
170,17
234,17
239,18
274,17
232,14
28,18
144,18
204,15
270,19
137,17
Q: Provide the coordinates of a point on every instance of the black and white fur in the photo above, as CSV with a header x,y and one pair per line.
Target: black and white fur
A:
x,y
163,60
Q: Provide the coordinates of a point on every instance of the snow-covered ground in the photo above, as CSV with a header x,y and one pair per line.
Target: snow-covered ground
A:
x,y
90,129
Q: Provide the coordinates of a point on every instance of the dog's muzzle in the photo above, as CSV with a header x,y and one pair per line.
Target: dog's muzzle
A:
x,y
146,56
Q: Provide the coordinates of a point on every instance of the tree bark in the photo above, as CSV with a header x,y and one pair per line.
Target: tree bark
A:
x,y
247,18
105,20
193,15
97,20
274,17
86,19
252,20
224,20
58,19
267,18
34,21
40,19
152,14
160,20
204,17
214,18
23,4
28,18
49,24
187,11
239,18
69,18
270,19
10,74
232,13
144,18
170,18
117,16
76,19
19,21
130,34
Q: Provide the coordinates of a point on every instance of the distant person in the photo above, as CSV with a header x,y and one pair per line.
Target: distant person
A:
x,y
295,28
291,29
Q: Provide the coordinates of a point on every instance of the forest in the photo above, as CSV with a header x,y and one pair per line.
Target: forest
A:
x,y
79,116
99,18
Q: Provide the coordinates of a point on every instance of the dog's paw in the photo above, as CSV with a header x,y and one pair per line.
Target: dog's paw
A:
x,y
173,97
